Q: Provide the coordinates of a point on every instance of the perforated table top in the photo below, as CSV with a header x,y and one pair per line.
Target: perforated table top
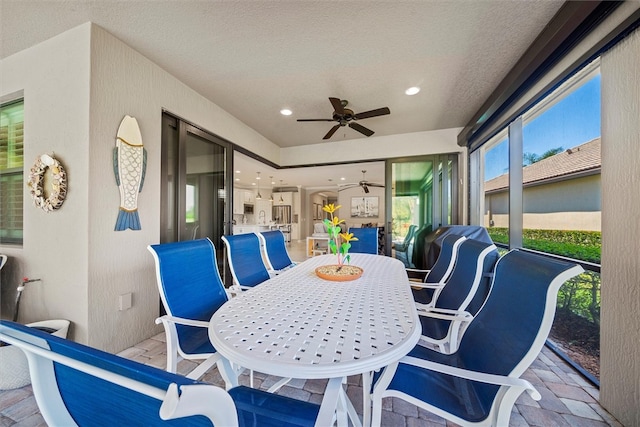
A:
x,y
298,325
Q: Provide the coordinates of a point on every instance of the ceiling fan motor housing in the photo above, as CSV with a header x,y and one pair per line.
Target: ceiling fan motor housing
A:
x,y
343,118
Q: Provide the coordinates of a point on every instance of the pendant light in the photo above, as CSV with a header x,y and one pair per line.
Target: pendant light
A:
x,y
259,196
271,197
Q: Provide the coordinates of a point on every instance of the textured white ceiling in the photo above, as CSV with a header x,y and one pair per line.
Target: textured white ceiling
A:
x,y
254,58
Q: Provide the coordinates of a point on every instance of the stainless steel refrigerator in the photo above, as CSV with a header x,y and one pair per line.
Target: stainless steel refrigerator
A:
x,y
281,214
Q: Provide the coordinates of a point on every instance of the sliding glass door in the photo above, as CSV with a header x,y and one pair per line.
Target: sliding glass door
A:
x,y
421,196
196,183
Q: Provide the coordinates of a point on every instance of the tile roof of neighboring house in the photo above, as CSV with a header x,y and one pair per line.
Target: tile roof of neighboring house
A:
x,y
577,159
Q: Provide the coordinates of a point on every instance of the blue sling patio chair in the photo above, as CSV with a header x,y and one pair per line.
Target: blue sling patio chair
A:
x,y
76,385
367,242
402,248
434,279
191,291
245,261
479,384
453,306
275,248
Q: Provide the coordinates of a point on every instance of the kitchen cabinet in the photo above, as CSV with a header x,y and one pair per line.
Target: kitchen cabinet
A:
x,y
249,197
238,202
287,198
240,198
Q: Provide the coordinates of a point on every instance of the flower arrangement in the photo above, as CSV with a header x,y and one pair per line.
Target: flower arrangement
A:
x,y
333,228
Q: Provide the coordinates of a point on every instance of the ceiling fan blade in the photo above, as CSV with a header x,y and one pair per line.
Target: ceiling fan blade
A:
x,y
372,113
371,184
347,186
337,105
331,132
315,120
363,130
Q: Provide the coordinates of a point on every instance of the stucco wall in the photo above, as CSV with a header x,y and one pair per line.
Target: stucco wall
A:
x,y
566,205
125,82
54,78
620,336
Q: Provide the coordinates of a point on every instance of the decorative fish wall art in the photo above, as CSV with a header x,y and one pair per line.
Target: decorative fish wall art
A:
x,y
129,166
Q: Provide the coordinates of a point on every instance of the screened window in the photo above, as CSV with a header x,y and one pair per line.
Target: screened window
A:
x,y
496,188
555,208
11,171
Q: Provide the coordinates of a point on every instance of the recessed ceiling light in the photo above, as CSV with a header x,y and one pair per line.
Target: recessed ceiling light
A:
x,y
237,179
342,178
285,112
237,171
412,90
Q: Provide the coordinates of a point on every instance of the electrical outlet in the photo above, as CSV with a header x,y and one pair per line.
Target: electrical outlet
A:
x,y
124,302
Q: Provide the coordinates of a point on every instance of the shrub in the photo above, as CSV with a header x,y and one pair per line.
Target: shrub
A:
x,y
582,245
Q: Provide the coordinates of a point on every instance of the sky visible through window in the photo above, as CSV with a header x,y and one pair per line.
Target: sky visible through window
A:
x,y
571,122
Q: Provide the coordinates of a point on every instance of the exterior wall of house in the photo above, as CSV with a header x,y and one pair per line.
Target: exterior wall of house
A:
x,y
125,82
54,78
566,205
620,336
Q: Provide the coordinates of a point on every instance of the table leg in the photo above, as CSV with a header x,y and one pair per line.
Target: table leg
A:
x,y
228,373
329,404
366,398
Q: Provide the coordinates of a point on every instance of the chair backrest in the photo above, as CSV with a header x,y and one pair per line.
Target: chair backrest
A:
x,y
245,259
418,253
511,327
446,260
77,385
367,242
275,248
188,279
470,279
403,247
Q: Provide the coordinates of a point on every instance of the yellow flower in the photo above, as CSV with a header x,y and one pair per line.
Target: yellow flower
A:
x,y
330,208
335,221
348,237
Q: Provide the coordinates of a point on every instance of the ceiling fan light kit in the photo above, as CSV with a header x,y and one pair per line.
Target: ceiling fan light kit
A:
x,y
346,117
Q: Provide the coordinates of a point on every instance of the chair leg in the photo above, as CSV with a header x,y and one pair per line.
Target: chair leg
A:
x,y
203,367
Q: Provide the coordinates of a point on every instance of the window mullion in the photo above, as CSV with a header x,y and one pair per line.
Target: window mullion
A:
x,y
515,183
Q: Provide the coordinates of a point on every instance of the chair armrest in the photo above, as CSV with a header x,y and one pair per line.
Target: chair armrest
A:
x,y
199,399
423,307
415,273
474,375
447,314
433,286
182,321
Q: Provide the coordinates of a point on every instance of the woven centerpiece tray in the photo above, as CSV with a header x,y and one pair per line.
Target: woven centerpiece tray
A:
x,y
339,273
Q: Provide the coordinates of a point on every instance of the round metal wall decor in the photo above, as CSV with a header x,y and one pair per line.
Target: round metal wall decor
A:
x,y
53,197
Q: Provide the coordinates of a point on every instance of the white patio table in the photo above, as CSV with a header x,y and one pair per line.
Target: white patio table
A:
x,y
297,325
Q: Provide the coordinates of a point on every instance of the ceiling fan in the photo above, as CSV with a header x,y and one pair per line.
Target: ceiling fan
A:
x,y
364,184
345,116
